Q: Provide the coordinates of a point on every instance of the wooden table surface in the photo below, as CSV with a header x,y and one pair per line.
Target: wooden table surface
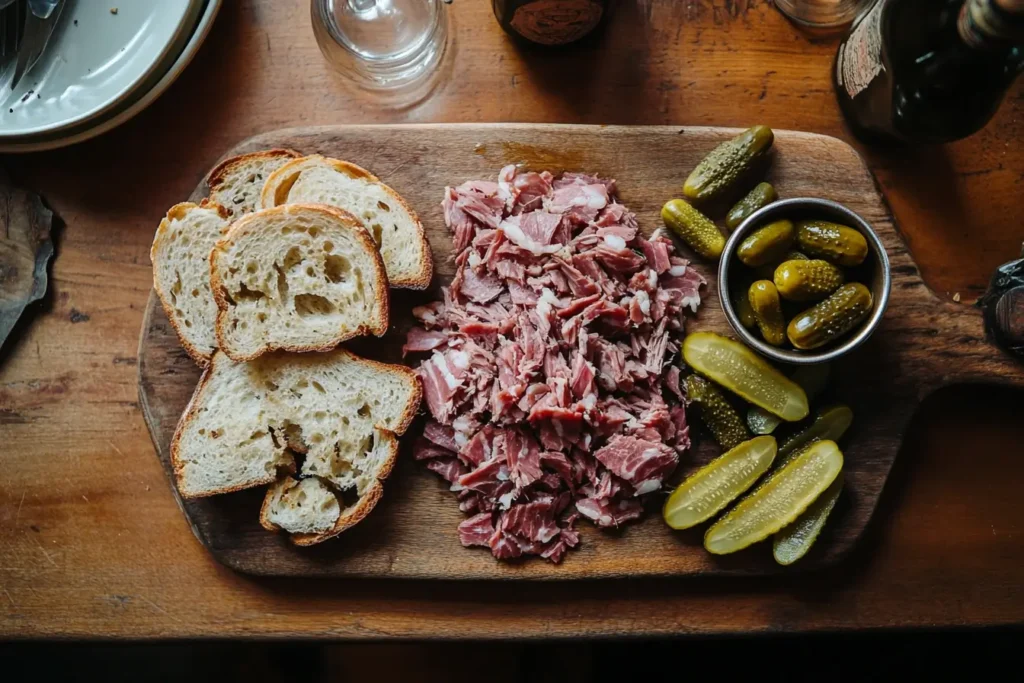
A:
x,y
91,541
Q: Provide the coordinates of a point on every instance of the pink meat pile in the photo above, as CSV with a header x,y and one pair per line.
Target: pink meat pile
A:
x,y
550,379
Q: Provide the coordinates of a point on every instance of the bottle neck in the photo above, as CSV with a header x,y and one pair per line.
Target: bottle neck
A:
x,y
991,24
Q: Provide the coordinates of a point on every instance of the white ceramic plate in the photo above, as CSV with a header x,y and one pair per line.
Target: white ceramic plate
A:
x,y
129,109
94,60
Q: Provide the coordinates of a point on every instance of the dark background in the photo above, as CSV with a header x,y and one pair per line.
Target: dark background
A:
x,y
865,657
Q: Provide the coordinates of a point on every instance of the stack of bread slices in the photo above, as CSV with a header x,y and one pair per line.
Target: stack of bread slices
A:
x,y
288,257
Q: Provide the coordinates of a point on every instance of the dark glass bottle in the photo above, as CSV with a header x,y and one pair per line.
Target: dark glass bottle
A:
x,y
929,70
550,22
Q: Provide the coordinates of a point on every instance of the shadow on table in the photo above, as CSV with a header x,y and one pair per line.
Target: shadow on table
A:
x,y
577,74
810,658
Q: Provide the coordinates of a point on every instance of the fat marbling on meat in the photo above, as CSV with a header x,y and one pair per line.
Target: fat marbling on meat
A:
x,y
549,370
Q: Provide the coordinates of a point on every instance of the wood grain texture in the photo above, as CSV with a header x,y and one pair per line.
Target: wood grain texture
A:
x,y
92,542
412,532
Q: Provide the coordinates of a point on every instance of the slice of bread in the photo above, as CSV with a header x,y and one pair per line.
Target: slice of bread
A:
x,y
224,441
181,273
306,506
339,413
347,414
395,227
236,183
308,523
372,468
299,277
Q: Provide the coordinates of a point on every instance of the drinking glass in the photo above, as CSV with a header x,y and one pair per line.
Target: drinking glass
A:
x,y
821,13
392,48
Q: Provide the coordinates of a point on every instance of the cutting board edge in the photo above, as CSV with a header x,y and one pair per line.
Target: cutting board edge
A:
x,y
309,131
267,139
838,555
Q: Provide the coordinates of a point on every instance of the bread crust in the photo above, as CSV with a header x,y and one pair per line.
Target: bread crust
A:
x,y
374,494
268,499
279,183
178,212
243,225
370,498
187,416
349,519
416,398
265,511
218,175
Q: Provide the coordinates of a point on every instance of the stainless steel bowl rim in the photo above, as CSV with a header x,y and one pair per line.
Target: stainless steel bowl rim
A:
x,y
829,210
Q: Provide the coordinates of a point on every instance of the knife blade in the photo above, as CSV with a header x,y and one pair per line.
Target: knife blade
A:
x,y
39,23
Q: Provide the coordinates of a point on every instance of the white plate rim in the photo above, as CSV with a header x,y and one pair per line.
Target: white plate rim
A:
x,y
202,30
185,22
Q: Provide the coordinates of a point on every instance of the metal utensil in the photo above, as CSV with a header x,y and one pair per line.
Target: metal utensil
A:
x,y
39,22
10,27
12,22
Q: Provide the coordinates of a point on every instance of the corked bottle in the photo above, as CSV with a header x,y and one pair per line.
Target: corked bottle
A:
x,y
926,71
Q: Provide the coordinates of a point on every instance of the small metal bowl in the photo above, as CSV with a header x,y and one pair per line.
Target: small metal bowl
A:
x,y
799,209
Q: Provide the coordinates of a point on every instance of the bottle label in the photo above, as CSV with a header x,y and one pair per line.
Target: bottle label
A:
x,y
860,58
554,22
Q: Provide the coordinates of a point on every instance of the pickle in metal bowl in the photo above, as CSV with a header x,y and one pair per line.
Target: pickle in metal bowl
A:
x,y
834,330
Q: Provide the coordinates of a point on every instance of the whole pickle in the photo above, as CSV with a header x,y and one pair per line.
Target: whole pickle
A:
x,y
762,195
716,412
831,318
694,228
767,271
767,244
764,299
741,302
839,244
808,280
719,172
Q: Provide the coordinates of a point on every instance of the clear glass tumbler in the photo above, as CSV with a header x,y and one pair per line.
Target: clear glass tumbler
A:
x,y
392,48
824,14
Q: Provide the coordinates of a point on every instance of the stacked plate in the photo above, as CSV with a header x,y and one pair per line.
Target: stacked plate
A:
x,y
105,62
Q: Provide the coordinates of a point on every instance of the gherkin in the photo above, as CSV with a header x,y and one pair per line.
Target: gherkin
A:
x,y
777,501
720,172
708,490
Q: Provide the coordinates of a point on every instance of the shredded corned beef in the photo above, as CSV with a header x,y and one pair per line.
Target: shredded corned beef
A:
x,y
550,377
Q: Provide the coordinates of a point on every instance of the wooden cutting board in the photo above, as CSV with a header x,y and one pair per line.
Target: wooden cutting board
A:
x,y
923,343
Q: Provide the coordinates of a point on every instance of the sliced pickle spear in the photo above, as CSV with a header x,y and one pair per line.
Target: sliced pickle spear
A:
x,y
795,540
743,372
779,500
830,423
811,378
718,483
